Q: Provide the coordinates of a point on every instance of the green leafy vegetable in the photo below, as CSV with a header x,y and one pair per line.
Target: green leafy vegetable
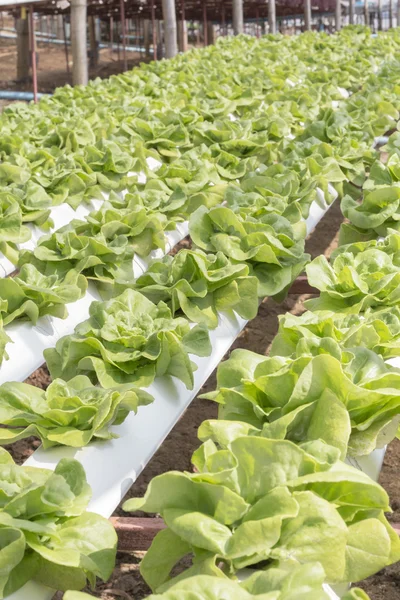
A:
x,y
70,414
270,245
31,294
360,276
46,533
199,285
353,405
313,333
259,500
127,341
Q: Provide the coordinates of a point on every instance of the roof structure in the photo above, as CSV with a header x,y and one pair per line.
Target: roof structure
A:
x,y
197,10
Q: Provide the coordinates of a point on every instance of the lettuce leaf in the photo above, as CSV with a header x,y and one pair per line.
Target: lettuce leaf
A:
x,y
70,414
46,533
128,341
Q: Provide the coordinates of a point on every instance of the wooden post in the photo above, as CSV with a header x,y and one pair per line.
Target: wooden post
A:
x,y
366,13
391,14
271,16
338,16
170,32
351,12
146,37
398,14
123,31
33,53
379,15
223,18
210,33
92,42
237,16
153,23
307,15
183,29
60,26
23,50
65,44
257,22
79,42
160,38
111,34
205,30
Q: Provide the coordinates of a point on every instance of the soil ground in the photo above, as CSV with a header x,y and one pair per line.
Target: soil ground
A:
x,y
177,449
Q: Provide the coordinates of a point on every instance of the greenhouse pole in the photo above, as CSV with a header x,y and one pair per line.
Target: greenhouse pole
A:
x,y
237,16
111,34
307,15
351,12
169,14
366,13
23,46
153,25
271,16
379,15
123,31
33,53
65,44
205,31
182,30
78,42
338,16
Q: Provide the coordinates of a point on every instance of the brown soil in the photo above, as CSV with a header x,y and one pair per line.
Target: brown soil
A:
x,y
52,69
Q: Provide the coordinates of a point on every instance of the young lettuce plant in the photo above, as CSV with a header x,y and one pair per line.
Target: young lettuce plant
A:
x,y
102,247
360,276
311,333
199,285
258,501
375,211
32,294
128,341
352,404
270,245
4,340
286,581
12,230
69,414
46,534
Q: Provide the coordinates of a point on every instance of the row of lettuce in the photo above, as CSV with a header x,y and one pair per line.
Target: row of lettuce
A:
x,y
270,486
257,125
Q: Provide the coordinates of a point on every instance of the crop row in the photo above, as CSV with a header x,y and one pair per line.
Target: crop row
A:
x,y
245,219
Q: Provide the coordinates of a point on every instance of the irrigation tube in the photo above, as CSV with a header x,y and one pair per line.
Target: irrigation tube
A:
x,y
27,96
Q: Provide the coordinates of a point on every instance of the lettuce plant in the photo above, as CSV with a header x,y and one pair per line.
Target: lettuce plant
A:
x,y
128,341
69,414
259,500
351,402
270,245
312,333
360,276
32,294
4,340
46,533
12,230
199,285
286,581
